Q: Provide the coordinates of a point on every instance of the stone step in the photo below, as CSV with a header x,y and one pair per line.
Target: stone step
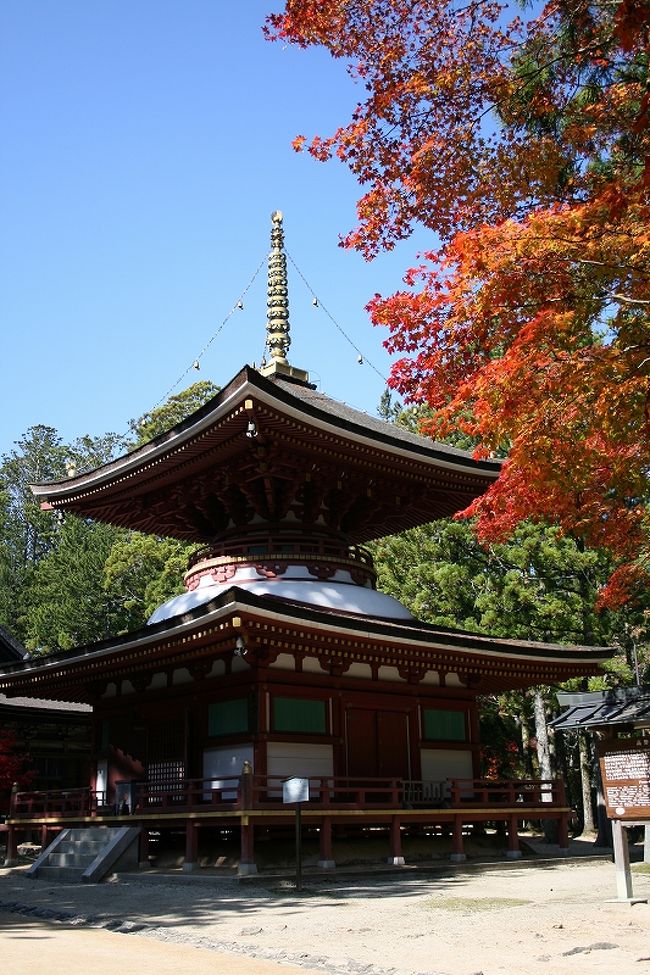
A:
x,y
71,859
72,874
80,846
87,854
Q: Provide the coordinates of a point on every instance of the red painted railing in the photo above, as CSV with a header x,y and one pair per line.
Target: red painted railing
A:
x,y
250,791
56,802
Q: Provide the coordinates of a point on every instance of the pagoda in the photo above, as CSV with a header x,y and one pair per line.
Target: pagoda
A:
x,y
281,658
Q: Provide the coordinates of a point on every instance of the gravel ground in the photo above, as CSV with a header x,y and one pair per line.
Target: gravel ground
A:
x,y
539,918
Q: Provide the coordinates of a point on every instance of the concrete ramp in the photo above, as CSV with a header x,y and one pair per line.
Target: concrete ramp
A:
x,y
86,855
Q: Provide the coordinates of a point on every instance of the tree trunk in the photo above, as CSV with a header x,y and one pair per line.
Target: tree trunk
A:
x,y
588,821
544,758
541,734
525,746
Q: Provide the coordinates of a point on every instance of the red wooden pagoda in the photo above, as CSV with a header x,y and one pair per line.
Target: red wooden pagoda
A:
x,y
281,658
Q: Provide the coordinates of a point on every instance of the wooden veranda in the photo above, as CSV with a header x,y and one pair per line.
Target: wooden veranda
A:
x,y
248,801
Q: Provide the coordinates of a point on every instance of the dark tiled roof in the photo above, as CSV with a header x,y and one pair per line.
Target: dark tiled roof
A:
x,y
406,631
623,705
369,424
39,704
10,648
314,404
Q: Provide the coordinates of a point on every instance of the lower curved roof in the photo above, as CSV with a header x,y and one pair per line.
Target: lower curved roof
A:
x,y
483,663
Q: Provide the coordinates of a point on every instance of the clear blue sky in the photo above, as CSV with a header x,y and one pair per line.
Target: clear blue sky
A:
x,y
144,146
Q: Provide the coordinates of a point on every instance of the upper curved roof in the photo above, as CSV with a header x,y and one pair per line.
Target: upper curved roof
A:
x,y
206,474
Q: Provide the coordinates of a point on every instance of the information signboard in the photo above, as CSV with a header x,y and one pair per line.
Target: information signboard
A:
x,y
295,789
625,770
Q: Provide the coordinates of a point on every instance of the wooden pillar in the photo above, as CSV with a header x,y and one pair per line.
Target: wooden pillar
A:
x,y
247,865
12,847
563,832
143,849
396,857
246,786
513,852
621,861
326,861
45,838
191,846
457,848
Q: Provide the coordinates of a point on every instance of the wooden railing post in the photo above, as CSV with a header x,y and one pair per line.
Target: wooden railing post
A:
x,y
246,786
13,801
394,792
325,793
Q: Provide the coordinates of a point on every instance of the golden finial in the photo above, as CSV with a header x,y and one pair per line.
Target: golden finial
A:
x,y
277,302
278,339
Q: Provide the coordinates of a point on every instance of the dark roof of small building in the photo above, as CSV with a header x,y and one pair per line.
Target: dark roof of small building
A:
x,y
10,648
601,709
41,705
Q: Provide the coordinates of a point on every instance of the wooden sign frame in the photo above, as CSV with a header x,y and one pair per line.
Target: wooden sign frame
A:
x,y
625,771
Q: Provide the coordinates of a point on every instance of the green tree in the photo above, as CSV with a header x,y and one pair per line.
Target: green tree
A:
x,y
143,571
173,411
66,581
65,604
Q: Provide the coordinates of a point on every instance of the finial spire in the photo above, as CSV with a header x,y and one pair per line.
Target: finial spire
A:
x,y
277,301
278,339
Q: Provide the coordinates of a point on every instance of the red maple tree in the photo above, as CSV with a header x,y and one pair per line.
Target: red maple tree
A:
x,y
14,767
524,146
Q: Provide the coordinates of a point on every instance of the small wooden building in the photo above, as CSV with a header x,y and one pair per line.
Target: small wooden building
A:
x,y
54,735
282,658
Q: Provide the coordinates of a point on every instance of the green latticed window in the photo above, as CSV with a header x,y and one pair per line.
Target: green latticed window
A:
x,y
228,717
295,714
444,725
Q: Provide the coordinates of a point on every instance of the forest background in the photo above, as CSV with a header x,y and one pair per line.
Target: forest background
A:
x,y
521,142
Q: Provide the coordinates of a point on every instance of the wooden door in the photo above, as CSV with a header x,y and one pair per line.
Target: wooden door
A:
x,y
393,745
377,743
362,745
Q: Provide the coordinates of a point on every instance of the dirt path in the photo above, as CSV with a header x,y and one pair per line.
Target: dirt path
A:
x,y
517,919
36,947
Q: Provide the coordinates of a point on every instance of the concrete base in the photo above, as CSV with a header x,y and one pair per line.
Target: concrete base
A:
x,y
627,900
144,865
396,861
10,863
190,867
246,869
458,857
327,864
513,854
